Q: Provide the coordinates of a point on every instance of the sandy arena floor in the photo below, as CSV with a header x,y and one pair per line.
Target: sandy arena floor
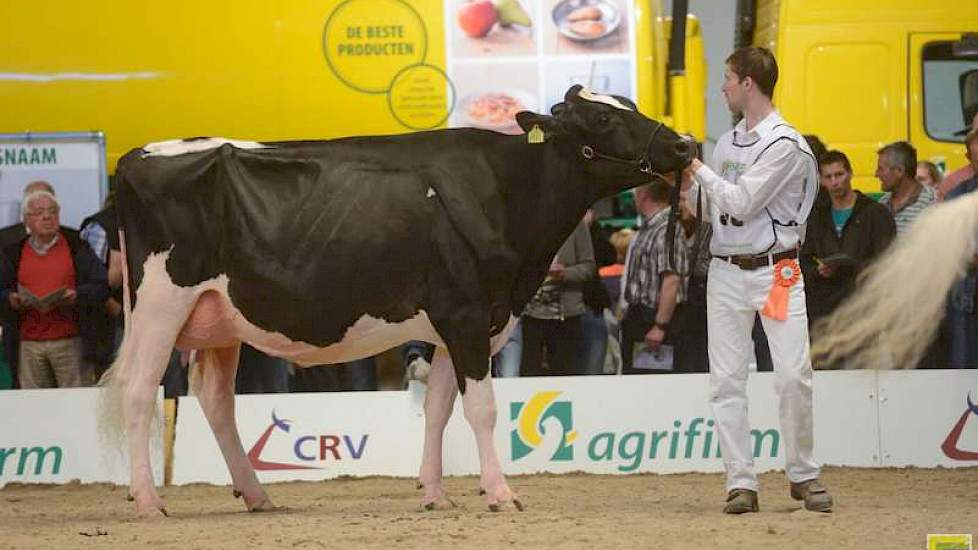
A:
x,y
874,509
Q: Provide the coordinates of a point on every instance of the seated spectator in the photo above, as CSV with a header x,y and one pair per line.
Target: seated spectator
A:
x,y
553,338
52,263
842,238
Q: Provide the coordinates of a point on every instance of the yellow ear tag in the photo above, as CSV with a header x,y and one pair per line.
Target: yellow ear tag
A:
x,y
535,135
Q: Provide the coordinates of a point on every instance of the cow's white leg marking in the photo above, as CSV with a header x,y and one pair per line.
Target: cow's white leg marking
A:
x,y
438,403
217,401
479,405
161,309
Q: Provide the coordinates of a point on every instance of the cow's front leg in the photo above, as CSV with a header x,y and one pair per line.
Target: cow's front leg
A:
x,y
479,405
438,403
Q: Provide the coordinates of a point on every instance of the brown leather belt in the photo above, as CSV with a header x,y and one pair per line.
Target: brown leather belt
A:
x,y
751,262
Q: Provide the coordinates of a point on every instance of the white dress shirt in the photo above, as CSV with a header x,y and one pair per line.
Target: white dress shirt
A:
x,y
759,188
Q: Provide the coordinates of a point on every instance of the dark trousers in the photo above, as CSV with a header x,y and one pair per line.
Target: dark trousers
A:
x,y
561,342
358,375
261,373
689,324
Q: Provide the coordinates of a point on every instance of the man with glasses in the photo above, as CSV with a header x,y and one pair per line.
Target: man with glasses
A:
x,y
51,284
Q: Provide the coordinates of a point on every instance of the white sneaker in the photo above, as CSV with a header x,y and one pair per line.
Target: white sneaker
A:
x,y
418,369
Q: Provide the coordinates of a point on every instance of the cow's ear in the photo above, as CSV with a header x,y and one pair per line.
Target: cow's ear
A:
x,y
527,120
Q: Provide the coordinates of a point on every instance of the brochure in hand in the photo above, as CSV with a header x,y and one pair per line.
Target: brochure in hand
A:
x,y
645,359
41,303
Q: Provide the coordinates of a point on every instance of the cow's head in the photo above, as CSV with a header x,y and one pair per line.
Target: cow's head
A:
x,y
622,148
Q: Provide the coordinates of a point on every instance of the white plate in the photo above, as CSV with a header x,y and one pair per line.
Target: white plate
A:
x,y
528,101
610,17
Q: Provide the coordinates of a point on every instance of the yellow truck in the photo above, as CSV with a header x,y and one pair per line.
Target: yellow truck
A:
x,y
863,74
282,69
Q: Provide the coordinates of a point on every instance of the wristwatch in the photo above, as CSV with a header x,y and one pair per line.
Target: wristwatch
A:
x,y
663,326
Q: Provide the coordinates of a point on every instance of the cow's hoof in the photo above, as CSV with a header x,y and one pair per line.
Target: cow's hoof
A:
x,y
236,493
507,506
420,486
443,503
264,506
155,512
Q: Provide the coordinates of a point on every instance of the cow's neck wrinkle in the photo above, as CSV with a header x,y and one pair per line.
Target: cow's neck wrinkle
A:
x,y
557,199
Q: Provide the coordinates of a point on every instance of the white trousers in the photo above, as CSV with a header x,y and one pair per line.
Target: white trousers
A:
x,y
734,296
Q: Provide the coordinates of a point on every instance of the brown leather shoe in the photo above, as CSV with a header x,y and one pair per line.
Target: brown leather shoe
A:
x,y
741,501
815,495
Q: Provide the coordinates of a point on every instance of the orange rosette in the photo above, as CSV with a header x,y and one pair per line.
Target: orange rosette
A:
x,y
786,274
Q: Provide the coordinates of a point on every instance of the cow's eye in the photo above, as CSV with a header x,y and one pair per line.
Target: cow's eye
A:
x,y
604,119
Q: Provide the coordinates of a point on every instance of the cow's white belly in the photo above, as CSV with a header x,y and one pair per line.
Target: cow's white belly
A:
x,y
215,322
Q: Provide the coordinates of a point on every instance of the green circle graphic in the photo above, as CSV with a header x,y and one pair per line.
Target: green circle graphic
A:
x,y
413,97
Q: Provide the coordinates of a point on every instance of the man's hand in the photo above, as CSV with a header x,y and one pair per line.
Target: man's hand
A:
x,y
556,271
654,338
14,300
70,298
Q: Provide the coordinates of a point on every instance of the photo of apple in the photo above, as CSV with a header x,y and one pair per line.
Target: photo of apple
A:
x,y
493,28
477,18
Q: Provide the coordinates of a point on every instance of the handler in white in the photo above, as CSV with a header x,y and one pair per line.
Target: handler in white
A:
x,y
758,195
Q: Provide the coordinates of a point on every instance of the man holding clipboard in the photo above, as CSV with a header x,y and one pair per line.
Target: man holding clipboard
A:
x,y
843,237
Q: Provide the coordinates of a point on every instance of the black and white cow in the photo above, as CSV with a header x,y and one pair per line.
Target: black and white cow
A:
x,y
328,251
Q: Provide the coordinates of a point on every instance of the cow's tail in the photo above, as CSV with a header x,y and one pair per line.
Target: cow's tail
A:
x,y
899,302
113,381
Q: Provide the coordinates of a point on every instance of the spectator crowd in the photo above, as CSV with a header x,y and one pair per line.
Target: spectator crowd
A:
x,y
630,301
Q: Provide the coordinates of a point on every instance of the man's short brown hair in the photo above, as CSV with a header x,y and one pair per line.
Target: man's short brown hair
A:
x,y
757,63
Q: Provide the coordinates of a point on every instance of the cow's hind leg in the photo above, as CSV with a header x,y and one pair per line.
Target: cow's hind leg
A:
x,y
216,394
156,320
438,403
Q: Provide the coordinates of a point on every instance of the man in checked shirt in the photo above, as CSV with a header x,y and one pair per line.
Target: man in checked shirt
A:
x,y
653,284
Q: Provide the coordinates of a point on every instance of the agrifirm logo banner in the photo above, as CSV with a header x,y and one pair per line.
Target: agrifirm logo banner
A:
x,y
63,441
621,424
543,426
306,436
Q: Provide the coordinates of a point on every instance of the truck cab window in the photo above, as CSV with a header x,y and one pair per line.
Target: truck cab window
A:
x,y
950,91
